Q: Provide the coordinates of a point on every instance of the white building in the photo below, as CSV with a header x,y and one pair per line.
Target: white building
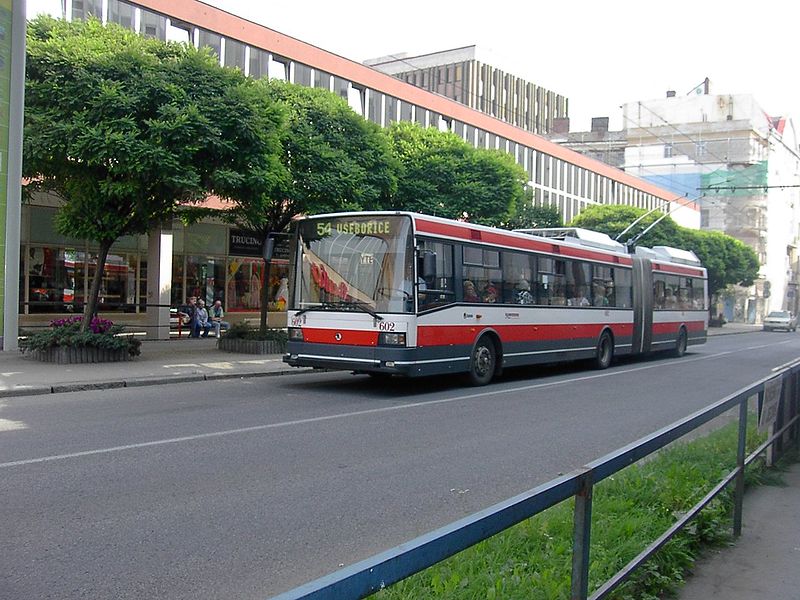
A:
x,y
743,169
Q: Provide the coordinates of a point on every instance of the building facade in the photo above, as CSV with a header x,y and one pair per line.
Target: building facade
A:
x,y
146,276
458,74
742,167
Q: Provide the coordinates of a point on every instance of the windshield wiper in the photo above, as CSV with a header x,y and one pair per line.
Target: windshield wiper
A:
x,y
320,306
341,305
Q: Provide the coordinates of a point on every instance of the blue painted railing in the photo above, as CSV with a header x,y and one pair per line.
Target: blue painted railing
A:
x,y
384,569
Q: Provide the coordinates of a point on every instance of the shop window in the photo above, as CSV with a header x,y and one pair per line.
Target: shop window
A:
x,y
51,280
177,297
118,285
205,277
245,276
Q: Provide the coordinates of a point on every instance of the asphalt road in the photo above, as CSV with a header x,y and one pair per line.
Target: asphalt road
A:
x,y
243,489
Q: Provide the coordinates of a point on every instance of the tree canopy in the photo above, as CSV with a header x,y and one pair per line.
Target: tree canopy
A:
x,y
335,161
530,216
727,260
440,174
128,131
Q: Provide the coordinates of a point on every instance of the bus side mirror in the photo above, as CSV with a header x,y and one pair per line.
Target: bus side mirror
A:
x,y
429,266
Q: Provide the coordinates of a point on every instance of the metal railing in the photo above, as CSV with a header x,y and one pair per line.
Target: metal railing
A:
x,y
384,569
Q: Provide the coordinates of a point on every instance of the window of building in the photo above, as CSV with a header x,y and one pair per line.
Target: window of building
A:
x,y
83,9
259,63
278,68
406,111
391,109
341,87
701,149
121,13
322,80
376,107
234,54
668,150
178,31
207,39
153,25
356,98
421,116
302,74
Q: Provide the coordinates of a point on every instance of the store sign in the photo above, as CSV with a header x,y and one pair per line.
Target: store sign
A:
x,y
244,243
247,243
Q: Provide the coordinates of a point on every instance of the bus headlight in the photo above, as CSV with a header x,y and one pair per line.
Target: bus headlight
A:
x,y
386,338
295,334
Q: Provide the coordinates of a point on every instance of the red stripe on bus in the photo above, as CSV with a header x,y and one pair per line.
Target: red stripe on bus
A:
x,y
678,270
451,335
348,337
493,237
673,327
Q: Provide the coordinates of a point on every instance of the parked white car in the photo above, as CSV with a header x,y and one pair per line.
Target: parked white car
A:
x,y
780,319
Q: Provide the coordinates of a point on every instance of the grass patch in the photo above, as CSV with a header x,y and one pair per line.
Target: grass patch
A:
x,y
533,560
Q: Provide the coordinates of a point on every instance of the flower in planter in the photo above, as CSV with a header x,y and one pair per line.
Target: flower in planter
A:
x,y
102,334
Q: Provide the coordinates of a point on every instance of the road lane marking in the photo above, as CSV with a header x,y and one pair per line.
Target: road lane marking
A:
x,y
358,413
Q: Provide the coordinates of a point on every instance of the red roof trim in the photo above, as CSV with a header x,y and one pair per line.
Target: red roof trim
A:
x,y
253,34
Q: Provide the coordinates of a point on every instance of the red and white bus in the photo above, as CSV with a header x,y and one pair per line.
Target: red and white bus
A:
x,y
410,294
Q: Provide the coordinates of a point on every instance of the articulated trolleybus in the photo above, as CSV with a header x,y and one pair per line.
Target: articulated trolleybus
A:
x,y
408,294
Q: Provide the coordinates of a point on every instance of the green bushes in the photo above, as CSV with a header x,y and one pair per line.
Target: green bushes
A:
x,y
101,334
533,559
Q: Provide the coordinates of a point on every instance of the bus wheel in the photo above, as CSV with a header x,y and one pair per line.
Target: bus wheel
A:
x,y
483,362
680,345
605,351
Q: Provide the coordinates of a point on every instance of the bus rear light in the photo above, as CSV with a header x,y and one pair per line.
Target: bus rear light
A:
x,y
386,338
295,334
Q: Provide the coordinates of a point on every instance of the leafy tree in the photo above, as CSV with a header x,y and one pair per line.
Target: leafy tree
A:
x,y
129,130
442,175
531,216
336,161
728,261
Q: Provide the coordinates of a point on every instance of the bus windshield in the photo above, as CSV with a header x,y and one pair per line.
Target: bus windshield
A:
x,y
354,263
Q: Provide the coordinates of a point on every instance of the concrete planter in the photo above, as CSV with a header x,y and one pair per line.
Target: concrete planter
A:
x,y
251,346
65,355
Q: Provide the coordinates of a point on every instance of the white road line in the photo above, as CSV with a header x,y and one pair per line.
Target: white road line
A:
x,y
358,413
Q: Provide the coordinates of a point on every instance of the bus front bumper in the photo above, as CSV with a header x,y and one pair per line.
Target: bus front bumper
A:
x,y
397,361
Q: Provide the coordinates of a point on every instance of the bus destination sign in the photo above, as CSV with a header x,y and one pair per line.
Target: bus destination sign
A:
x,y
355,227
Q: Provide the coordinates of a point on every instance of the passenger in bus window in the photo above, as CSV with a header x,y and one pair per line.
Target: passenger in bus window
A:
x,y
470,293
683,299
489,293
670,302
523,292
600,295
579,299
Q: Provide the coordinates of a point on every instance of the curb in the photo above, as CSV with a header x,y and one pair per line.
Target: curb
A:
x,y
82,386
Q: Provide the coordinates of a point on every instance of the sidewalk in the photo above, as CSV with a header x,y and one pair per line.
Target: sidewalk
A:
x,y
168,361
763,563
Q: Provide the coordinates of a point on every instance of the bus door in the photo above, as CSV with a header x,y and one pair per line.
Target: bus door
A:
x,y
642,305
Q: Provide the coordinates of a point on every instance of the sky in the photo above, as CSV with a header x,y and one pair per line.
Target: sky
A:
x,y
599,54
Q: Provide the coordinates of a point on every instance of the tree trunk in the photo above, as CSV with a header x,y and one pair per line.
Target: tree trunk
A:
x,y
265,297
90,309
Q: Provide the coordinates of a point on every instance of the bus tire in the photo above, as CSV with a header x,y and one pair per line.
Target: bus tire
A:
x,y
605,351
681,343
483,362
